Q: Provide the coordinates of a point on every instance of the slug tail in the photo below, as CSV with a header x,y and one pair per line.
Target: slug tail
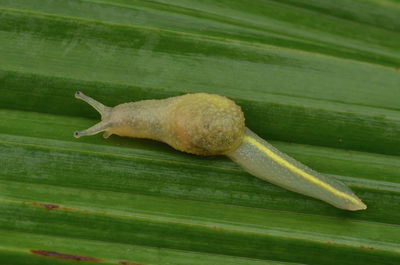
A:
x,y
266,162
103,110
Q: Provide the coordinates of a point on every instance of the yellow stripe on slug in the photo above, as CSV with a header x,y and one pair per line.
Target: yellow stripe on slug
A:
x,y
297,170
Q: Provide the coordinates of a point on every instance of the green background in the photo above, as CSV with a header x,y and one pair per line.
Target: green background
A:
x,y
320,80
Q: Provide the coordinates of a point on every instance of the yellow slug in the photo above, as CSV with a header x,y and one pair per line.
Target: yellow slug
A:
x,y
209,124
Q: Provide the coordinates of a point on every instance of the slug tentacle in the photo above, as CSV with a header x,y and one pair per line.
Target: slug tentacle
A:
x,y
267,163
103,110
106,134
99,127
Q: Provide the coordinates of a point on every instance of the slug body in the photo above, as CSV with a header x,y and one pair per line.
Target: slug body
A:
x,y
208,124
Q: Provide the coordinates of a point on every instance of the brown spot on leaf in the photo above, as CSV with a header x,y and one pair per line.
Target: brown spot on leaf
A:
x,y
128,263
46,205
365,247
396,69
63,255
49,206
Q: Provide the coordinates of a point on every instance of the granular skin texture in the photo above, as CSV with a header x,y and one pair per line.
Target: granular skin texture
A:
x,y
201,124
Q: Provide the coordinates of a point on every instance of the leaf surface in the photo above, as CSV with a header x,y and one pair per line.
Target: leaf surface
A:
x,y
320,80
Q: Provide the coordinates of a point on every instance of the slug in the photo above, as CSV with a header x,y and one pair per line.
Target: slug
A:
x,y
209,124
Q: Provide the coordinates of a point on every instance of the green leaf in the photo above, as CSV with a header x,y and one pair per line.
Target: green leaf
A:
x,y
319,79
